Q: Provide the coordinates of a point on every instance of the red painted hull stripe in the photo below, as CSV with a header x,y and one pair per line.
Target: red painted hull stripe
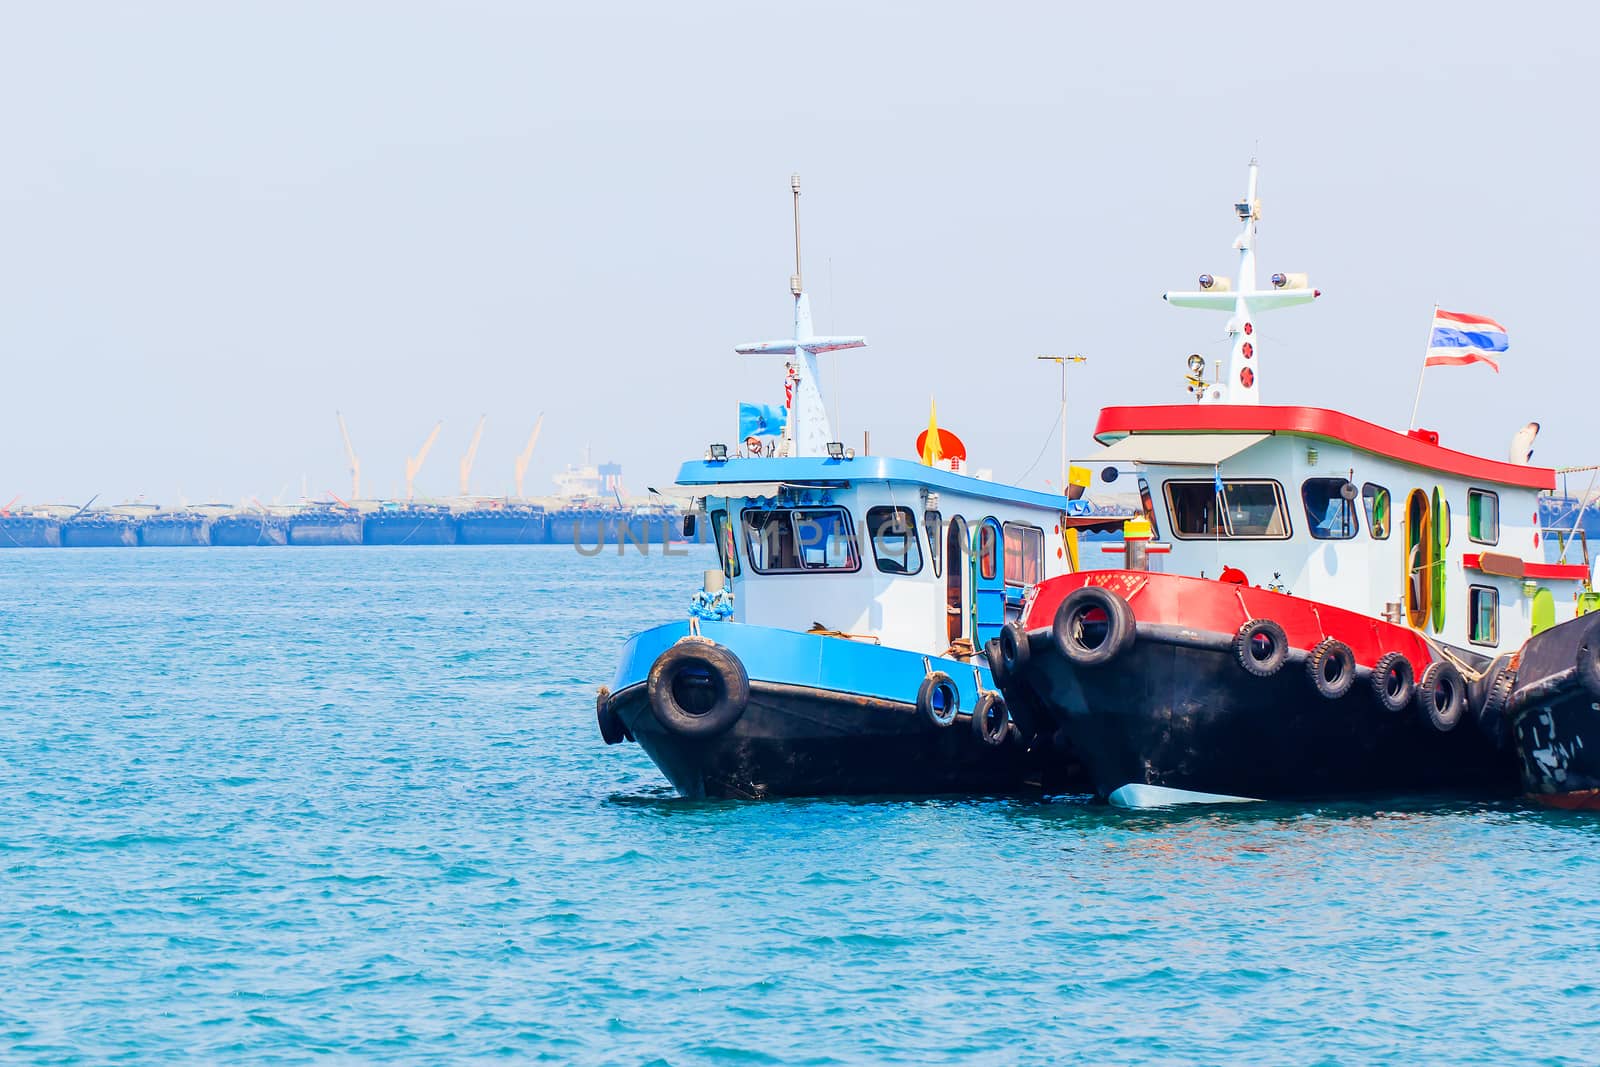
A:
x,y
1575,572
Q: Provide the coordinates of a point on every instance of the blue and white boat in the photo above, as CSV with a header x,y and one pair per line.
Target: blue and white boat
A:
x,y
838,648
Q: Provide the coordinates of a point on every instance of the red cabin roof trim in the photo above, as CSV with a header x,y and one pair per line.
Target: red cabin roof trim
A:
x,y
1320,423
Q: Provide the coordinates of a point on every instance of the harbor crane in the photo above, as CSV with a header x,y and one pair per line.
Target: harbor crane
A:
x,y
414,464
355,463
527,453
471,456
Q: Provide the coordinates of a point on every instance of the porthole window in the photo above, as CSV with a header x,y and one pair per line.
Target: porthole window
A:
x,y
1376,499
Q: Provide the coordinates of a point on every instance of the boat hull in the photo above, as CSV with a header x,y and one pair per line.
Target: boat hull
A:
x,y
326,528
825,717
184,532
245,531
1176,708
29,531
100,534
501,527
1555,717
409,528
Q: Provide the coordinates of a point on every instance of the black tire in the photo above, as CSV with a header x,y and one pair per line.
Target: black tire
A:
x,y
1093,626
1394,681
1261,647
612,732
1014,650
698,689
939,699
991,719
1026,714
997,665
1441,696
1331,666
1588,664
1493,718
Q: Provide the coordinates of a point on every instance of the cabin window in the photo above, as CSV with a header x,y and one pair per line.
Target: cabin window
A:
x,y
1376,498
727,552
1147,507
1484,610
1024,554
1243,510
794,540
894,540
933,525
988,551
1483,516
1330,508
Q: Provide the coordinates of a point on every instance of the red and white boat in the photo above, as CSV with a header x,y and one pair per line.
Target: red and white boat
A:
x,y
1312,606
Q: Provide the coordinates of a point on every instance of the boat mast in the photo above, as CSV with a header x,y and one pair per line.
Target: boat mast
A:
x,y
807,431
1242,383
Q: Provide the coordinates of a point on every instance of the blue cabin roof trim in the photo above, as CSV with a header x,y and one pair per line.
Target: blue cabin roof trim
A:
x,y
823,471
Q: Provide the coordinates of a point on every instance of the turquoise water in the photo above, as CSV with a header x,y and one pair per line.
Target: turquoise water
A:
x,y
270,805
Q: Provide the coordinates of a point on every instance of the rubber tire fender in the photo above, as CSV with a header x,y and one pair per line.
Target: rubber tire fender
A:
x,y
931,685
1014,650
612,732
1397,666
1066,631
728,674
1437,676
997,664
1492,716
1331,666
991,718
1244,647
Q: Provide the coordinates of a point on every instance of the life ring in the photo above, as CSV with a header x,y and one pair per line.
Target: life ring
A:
x,y
991,719
1093,626
1332,668
939,699
1261,647
1014,649
612,732
1394,681
698,689
1441,696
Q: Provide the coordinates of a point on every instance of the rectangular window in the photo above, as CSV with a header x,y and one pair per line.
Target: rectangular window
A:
x,y
1330,508
894,540
988,551
1244,510
727,551
796,540
1024,554
1376,497
933,523
1483,516
1483,609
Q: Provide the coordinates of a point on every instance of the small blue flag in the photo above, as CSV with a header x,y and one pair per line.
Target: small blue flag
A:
x,y
1218,483
761,420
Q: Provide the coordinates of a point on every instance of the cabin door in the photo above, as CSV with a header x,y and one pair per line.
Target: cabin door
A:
x,y
955,579
1419,560
989,583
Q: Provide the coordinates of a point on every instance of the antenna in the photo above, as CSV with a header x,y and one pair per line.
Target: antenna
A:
x,y
471,456
794,283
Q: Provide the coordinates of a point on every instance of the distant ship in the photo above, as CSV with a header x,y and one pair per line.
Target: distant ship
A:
x,y
325,524
409,524
246,529
501,524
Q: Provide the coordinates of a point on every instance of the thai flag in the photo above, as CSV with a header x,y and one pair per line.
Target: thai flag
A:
x,y
1458,339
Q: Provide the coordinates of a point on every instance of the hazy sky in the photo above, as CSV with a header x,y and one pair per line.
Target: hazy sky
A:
x,y
219,223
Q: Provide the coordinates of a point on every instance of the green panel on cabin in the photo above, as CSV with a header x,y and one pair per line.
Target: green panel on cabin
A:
x,y
1441,541
1588,602
1544,609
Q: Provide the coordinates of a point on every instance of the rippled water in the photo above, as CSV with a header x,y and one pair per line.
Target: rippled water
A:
x,y
270,804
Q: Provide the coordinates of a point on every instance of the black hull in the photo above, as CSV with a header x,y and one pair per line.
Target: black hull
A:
x,y
794,741
1179,712
325,531
19,531
1555,717
500,529
184,533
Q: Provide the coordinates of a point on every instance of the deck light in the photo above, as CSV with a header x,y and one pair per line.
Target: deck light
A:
x,y
849,453
717,453
1207,281
835,449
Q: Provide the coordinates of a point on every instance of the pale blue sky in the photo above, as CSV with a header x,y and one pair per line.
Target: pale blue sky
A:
x,y
220,223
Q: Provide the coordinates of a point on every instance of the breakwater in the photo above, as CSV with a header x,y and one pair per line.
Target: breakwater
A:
x,y
418,524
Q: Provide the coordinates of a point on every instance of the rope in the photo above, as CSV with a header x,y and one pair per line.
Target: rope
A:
x,y
822,631
1467,672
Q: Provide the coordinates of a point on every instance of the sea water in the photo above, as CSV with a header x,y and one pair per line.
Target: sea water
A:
x,y
268,805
